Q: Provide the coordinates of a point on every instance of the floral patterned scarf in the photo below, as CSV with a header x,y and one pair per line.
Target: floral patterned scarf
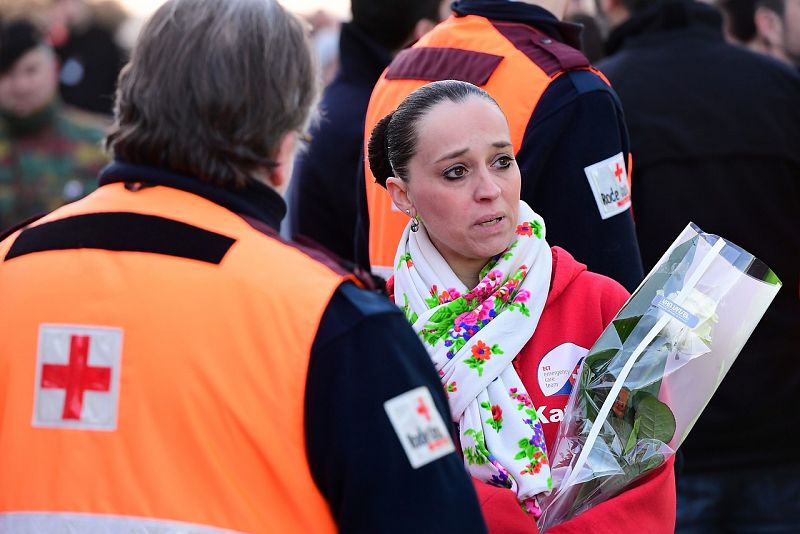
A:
x,y
472,337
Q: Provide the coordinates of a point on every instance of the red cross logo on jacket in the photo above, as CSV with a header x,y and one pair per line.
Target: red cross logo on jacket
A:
x,y
77,377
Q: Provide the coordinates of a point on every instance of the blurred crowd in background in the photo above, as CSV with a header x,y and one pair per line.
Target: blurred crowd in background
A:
x,y
716,145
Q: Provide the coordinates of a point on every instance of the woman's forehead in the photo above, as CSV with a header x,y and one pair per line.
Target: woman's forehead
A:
x,y
473,123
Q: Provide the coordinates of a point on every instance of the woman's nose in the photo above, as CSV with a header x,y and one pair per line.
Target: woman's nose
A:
x,y
487,187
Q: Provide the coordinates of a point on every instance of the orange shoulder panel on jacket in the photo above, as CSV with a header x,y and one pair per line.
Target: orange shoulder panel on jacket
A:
x,y
192,332
513,62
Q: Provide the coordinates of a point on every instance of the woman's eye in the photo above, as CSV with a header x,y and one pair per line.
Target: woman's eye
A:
x,y
456,172
504,162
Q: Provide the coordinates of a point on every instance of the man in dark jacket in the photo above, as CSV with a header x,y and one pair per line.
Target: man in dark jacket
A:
x,y
195,372
323,200
715,133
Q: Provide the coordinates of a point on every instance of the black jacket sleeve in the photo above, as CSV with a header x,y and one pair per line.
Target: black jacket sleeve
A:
x,y
364,354
577,123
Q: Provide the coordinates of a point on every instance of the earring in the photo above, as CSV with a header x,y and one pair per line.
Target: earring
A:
x,y
414,224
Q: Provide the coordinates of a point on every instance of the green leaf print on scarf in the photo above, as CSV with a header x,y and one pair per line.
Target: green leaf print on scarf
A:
x,y
442,319
407,259
411,315
534,454
479,454
508,254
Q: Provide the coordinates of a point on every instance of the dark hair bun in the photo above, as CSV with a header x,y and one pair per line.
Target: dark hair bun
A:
x,y
377,153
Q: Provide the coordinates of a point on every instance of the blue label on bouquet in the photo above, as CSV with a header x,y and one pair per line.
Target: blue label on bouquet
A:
x,y
676,311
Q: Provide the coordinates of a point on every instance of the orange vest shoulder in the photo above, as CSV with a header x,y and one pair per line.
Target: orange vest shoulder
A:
x,y
208,381
513,62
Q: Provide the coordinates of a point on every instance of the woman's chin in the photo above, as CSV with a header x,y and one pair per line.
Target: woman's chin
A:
x,y
489,252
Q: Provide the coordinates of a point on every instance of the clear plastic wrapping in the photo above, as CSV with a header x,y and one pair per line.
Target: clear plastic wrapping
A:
x,y
651,373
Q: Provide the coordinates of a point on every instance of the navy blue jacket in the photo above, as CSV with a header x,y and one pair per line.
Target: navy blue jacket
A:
x,y
324,189
364,353
715,133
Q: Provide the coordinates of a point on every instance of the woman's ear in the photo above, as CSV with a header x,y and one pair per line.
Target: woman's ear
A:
x,y
398,190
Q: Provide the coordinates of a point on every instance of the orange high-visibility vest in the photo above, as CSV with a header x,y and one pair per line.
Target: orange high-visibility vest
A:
x,y
196,329
472,49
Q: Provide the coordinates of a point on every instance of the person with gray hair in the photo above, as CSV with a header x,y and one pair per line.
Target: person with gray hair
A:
x,y
169,364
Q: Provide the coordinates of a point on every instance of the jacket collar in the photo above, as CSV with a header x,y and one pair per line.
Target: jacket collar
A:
x,y
666,15
255,200
360,56
507,11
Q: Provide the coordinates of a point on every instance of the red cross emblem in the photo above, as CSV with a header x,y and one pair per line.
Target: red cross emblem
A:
x,y
618,172
422,409
77,377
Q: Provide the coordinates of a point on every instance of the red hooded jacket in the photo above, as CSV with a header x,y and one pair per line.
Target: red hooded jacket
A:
x,y
579,307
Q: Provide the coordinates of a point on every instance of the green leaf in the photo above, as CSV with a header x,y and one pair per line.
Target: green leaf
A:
x,y
624,327
496,349
655,419
441,315
520,455
632,438
643,465
597,362
403,258
488,267
486,406
537,229
622,427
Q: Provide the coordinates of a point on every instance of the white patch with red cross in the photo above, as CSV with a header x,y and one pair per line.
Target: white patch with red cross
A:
x,y
77,377
609,182
419,426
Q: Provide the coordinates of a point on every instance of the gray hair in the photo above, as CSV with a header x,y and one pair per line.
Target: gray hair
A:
x,y
211,88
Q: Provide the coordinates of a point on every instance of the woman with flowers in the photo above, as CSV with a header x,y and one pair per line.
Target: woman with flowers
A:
x,y
505,317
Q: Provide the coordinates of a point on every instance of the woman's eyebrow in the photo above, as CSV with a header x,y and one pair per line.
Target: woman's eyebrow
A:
x,y
452,155
457,153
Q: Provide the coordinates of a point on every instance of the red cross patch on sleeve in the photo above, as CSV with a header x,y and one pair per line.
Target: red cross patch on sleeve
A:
x,y
419,426
609,182
77,377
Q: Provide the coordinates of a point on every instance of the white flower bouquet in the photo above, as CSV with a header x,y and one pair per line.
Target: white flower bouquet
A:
x,y
651,373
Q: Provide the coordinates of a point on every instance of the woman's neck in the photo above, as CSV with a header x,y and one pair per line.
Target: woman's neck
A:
x,y
469,272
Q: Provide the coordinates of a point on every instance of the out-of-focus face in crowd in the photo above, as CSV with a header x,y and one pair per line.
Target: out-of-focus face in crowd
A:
x,y
791,30
30,83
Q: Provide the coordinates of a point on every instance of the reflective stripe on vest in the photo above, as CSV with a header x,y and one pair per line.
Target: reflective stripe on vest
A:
x,y
195,410
502,58
42,522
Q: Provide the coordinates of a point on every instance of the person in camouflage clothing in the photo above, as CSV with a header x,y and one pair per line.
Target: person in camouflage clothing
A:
x,y
49,154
